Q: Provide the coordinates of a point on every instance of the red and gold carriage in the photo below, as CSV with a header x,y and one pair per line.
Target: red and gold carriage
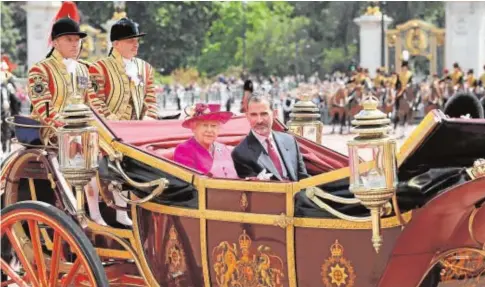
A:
x,y
192,230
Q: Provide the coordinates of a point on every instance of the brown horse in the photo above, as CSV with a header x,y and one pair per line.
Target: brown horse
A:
x,y
434,98
353,105
386,99
337,108
404,106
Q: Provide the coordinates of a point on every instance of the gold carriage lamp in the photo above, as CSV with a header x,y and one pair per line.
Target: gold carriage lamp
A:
x,y
374,182
78,148
305,119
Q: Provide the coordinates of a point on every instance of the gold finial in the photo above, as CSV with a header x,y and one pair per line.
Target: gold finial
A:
x,y
373,9
371,122
370,103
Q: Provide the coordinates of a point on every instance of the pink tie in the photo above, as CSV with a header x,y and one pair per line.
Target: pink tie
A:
x,y
273,154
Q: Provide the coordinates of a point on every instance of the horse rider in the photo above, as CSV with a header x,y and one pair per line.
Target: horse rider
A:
x,y
379,79
403,82
404,79
457,77
435,101
124,84
471,82
58,76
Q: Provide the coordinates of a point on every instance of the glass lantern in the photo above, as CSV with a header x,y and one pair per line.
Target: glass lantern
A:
x,y
380,173
374,180
305,119
78,149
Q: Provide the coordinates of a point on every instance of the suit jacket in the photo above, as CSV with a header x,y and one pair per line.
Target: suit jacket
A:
x,y
250,157
118,97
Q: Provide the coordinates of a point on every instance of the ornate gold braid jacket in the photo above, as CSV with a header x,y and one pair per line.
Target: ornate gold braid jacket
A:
x,y
470,81
457,78
403,79
118,98
50,84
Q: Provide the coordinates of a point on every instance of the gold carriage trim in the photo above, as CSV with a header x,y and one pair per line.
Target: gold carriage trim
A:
x,y
464,265
246,267
478,169
243,202
337,271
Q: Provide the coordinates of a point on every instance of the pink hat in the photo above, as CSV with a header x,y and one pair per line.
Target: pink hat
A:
x,y
205,112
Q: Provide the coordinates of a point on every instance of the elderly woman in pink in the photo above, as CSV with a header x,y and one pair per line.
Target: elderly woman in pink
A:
x,y
202,152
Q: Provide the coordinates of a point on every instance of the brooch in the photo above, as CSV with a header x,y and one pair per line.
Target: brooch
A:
x,y
82,82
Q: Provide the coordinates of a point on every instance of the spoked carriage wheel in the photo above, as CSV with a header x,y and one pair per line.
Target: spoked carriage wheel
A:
x,y
69,260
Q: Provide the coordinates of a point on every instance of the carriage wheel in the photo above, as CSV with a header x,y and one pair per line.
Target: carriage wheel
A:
x,y
38,265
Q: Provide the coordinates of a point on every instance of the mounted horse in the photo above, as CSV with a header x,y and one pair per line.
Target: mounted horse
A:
x,y
353,105
434,100
338,108
406,102
10,106
386,96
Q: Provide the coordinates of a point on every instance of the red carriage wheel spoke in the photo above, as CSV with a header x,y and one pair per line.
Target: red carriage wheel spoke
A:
x,y
21,226
12,274
54,268
70,276
38,253
20,255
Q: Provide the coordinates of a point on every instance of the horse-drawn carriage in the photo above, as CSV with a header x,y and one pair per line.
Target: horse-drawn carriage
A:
x,y
192,230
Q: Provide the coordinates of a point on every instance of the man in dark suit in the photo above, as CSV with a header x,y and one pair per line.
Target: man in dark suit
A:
x,y
265,149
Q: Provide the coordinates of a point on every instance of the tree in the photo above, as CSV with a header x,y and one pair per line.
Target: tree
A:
x,y
14,31
175,31
223,38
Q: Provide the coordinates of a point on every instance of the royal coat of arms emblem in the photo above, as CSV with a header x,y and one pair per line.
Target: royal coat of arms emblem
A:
x,y
337,271
245,267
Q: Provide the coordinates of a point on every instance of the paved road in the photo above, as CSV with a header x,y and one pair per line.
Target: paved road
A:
x,y
338,142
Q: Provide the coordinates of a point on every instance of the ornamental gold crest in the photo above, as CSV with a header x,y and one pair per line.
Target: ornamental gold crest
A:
x,y
337,271
246,266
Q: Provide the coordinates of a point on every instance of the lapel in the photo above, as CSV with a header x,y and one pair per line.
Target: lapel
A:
x,y
284,151
261,155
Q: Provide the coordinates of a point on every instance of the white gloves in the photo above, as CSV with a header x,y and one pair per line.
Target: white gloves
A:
x,y
263,175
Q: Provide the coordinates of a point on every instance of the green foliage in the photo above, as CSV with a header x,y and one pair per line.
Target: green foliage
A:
x,y
223,38
13,32
186,76
10,35
337,59
175,31
95,13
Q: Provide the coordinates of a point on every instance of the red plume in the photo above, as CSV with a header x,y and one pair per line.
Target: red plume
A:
x,y
10,66
68,9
